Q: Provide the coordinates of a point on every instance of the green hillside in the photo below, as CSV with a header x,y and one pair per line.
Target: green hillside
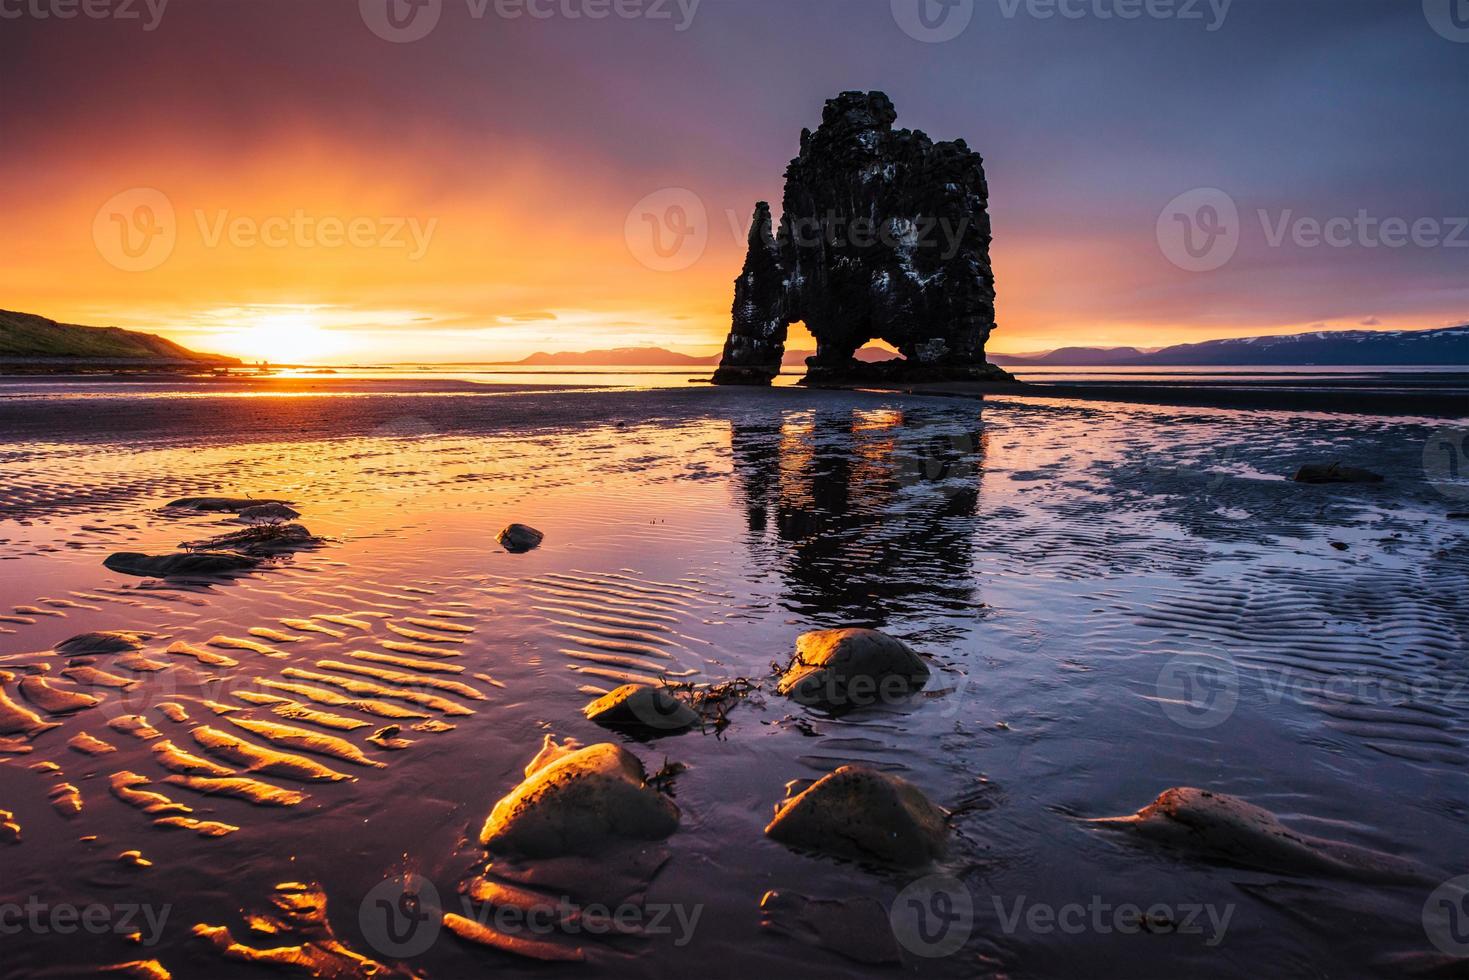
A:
x,y
25,335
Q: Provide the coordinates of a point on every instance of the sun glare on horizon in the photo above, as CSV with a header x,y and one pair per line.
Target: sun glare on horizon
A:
x,y
287,337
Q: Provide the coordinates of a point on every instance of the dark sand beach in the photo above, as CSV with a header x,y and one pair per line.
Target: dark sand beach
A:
x,y
1064,567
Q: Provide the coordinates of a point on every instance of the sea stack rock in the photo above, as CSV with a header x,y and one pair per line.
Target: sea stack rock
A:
x,y
884,235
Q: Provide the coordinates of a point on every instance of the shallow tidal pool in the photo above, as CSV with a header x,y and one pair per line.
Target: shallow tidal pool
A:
x,y
1113,600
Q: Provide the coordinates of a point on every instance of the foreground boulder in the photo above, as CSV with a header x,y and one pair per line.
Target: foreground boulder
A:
x,y
851,668
222,504
518,538
1230,830
577,800
186,563
1335,473
863,814
641,707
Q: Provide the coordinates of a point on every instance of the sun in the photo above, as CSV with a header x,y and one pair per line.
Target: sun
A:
x,y
293,337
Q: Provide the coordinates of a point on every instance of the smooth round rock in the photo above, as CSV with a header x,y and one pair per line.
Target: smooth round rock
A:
x,y
518,538
642,707
852,668
861,813
577,803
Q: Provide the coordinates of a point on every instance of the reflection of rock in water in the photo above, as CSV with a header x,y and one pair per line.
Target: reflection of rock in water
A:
x,y
866,514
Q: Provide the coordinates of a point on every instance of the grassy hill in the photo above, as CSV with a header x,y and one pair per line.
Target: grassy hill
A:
x,y
25,335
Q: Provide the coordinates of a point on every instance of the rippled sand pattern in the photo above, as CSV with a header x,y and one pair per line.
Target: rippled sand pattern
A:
x,y
351,714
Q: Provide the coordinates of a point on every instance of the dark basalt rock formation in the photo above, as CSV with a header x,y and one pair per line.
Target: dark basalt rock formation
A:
x,y
884,235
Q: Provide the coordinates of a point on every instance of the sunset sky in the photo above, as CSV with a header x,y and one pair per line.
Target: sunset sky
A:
x,y
474,194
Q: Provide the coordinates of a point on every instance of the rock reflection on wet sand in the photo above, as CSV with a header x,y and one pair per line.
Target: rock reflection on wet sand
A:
x,y
352,714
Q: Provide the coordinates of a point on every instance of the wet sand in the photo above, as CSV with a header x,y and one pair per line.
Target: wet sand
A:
x,y
1057,560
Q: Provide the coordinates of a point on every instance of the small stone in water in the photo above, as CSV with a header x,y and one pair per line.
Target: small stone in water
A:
x,y
519,538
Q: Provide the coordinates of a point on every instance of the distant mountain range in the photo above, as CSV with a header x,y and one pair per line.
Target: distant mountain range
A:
x,y
30,338
1441,346
618,357
1445,345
